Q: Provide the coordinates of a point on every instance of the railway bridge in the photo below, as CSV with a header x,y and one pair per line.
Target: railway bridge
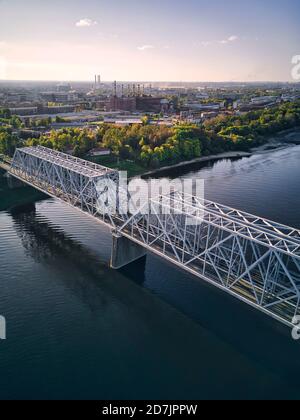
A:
x,y
251,258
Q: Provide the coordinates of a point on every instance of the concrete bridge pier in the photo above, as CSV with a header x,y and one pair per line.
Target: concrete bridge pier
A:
x,y
124,251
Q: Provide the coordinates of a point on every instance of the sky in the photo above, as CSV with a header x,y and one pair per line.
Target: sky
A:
x,y
149,40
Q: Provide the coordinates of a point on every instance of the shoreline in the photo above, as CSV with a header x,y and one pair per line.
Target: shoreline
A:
x,y
283,139
203,159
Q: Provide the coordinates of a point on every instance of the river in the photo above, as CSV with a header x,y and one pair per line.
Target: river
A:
x,y
78,330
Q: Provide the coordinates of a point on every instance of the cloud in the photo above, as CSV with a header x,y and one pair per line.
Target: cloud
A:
x,y
226,41
230,39
146,47
86,23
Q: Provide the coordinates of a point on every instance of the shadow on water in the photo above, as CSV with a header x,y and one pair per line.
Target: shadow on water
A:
x,y
46,243
14,194
53,247
136,271
160,352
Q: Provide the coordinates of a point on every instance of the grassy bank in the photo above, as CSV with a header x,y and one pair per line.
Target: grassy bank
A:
x,y
132,168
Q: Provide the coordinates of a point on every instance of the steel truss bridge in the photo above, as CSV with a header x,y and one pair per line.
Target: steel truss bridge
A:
x,y
251,258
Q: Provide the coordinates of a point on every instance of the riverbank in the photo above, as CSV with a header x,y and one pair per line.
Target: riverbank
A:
x,y
204,159
283,139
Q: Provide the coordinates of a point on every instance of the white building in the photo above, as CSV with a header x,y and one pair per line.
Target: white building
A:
x,y
264,100
100,152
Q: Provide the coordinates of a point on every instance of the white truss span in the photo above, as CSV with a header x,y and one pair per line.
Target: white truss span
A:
x,y
79,183
254,259
74,164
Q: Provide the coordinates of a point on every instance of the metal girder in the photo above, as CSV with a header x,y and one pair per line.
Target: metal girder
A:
x,y
254,259
66,161
83,185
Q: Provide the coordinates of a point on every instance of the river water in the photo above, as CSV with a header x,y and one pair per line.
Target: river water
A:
x,y
79,330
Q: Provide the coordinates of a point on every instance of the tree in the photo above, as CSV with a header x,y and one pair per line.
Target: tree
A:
x,y
8,143
5,113
15,122
113,140
145,120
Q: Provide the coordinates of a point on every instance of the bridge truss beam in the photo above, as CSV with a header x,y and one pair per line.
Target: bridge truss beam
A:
x,y
81,184
251,258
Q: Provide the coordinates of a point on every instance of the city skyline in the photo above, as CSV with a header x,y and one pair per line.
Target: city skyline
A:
x,y
131,41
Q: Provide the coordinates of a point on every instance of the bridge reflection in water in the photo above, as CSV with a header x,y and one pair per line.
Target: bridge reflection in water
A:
x,y
253,259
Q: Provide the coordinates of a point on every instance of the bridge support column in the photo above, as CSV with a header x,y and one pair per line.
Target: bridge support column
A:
x,y
124,251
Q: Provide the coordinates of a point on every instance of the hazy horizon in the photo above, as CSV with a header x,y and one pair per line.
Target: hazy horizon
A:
x,y
179,82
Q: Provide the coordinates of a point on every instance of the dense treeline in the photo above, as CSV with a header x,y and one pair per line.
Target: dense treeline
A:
x,y
7,119
253,128
8,139
152,146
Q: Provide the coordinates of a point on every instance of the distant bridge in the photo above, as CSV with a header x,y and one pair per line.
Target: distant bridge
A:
x,y
251,258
